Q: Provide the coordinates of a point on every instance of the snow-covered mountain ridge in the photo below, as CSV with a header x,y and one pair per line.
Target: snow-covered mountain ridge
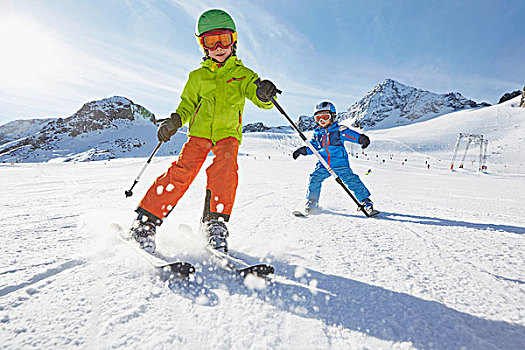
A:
x,y
116,127
17,129
392,104
261,127
104,129
503,125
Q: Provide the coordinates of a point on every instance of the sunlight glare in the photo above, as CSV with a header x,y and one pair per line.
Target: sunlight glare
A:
x,y
29,52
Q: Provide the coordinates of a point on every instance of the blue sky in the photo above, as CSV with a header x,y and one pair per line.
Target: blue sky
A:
x,y
59,54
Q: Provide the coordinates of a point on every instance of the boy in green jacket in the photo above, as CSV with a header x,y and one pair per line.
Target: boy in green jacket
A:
x,y
212,102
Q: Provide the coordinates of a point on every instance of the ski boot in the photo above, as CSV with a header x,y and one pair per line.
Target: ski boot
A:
x,y
368,207
311,206
143,231
217,232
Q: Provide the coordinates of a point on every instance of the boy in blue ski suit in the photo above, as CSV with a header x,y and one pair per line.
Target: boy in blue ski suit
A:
x,y
328,140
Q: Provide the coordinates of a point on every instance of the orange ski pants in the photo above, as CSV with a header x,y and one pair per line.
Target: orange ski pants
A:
x,y
221,185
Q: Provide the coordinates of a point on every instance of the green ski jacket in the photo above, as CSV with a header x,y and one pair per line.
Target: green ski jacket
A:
x,y
212,101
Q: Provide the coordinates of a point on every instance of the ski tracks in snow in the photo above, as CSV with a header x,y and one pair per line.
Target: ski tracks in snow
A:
x,y
40,276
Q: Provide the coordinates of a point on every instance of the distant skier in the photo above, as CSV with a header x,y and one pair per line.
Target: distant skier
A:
x,y
212,102
328,140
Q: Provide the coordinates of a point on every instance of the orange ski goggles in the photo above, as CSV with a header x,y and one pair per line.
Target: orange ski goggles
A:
x,y
322,116
212,40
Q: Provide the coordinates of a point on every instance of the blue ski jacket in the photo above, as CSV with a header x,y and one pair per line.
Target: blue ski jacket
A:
x,y
329,143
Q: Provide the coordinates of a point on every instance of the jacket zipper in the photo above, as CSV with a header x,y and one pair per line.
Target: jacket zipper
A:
x,y
240,121
326,143
195,114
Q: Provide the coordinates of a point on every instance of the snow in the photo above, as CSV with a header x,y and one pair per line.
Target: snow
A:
x,y
440,268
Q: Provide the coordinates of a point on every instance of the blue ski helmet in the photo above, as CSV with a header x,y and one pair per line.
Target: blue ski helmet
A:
x,y
324,106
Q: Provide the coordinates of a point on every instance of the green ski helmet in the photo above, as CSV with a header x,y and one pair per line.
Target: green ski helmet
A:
x,y
215,19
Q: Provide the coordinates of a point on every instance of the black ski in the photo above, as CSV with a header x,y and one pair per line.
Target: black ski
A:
x,y
167,270
299,214
232,263
239,266
371,213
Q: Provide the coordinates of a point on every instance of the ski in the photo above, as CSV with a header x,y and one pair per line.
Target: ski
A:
x,y
231,263
239,266
374,213
167,270
299,214
371,213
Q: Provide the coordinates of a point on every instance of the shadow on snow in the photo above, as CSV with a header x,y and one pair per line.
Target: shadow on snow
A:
x,y
375,311
434,221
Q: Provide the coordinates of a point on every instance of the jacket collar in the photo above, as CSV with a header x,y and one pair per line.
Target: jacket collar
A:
x,y
214,66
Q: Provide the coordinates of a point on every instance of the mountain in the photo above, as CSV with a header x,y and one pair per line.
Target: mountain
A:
x,y
104,129
502,125
116,127
261,127
510,95
392,104
306,123
255,127
17,129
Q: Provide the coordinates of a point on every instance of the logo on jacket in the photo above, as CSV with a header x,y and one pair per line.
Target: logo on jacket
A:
x,y
236,79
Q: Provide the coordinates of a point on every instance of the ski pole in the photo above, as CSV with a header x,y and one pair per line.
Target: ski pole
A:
x,y
321,159
129,192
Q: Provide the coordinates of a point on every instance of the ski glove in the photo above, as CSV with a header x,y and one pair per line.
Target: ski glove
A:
x,y
266,90
169,127
300,151
364,141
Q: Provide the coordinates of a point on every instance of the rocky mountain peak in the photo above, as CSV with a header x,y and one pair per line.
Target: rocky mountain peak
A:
x,y
255,127
101,114
392,104
306,123
95,117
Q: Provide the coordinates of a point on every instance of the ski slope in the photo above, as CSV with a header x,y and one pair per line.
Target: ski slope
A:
x,y
503,125
441,268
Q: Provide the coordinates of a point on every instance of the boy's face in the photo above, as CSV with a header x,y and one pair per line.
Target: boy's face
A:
x,y
324,123
219,54
323,118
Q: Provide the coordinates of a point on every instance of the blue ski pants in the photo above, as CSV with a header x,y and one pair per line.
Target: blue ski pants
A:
x,y
351,180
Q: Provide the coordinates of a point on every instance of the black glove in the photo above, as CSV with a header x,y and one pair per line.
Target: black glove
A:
x,y
364,141
266,90
300,151
169,127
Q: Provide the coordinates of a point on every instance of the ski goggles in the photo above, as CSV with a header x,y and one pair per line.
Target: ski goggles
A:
x,y
211,41
322,116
